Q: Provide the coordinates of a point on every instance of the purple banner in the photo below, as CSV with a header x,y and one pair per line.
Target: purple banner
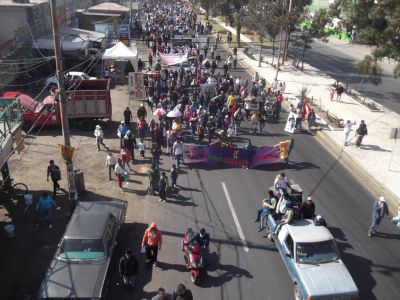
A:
x,y
231,156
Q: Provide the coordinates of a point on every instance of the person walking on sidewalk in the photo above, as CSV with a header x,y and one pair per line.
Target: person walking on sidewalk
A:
x,y
119,171
161,295
45,207
339,91
128,268
98,133
182,293
55,174
110,163
122,130
346,131
127,116
152,241
174,176
379,211
178,151
360,133
130,144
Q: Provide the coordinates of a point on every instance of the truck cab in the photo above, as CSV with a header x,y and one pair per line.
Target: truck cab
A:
x,y
312,259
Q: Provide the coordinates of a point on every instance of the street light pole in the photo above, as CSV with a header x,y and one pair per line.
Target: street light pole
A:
x,y
61,100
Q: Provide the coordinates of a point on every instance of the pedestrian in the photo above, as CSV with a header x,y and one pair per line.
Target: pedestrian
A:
x,y
298,119
254,123
311,119
44,207
122,129
142,125
162,187
128,268
396,219
339,91
360,133
127,116
142,149
110,163
347,130
152,241
182,293
150,58
125,157
119,172
174,176
141,112
161,295
98,133
307,209
178,151
55,174
130,144
379,211
155,155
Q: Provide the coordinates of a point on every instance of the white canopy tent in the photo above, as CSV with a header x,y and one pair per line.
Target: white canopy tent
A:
x,y
122,52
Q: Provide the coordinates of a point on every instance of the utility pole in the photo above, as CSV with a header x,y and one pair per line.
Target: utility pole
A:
x,y
62,101
130,20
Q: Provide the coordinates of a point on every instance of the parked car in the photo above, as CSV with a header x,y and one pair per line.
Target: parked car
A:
x,y
69,76
81,261
310,254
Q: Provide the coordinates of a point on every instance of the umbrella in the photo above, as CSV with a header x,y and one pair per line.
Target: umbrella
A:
x,y
250,98
159,112
174,114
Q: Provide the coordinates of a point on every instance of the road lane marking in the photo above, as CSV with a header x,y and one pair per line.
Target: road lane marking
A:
x,y
235,218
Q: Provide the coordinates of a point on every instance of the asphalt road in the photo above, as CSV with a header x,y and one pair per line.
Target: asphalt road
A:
x,y
259,273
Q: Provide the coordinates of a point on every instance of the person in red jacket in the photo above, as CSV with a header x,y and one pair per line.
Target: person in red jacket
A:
x,y
152,240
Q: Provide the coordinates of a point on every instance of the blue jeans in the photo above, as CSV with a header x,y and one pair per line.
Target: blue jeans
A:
x,y
178,158
156,162
262,211
376,220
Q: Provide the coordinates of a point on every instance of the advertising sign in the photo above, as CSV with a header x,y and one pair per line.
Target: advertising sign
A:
x,y
136,86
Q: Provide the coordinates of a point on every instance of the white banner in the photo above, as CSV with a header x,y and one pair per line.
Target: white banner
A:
x,y
136,86
289,127
173,59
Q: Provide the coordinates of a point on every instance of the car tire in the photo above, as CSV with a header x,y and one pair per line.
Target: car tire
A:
x,y
297,295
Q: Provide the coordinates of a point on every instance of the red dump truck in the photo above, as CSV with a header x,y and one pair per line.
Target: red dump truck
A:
x,y
87,101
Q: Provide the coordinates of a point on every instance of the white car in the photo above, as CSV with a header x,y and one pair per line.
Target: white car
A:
x,y
70,76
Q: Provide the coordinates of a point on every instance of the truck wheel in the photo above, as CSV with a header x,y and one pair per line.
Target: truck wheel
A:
x,y
297,295
86,124
270,237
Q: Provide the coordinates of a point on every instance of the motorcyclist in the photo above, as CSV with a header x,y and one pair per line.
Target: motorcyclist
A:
x,y
202,238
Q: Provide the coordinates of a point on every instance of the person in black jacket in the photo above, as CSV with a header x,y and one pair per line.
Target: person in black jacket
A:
x,y
182,293
307,209
128,268
129,142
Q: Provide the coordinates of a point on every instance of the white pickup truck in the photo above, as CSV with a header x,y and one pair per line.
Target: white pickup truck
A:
x,y
310,254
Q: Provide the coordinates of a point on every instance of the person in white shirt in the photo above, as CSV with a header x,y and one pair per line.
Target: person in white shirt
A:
x,y
110,163
98,133
119,171
347,130
142,148
177,149
281,183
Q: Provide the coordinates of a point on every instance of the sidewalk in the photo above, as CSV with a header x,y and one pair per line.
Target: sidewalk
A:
x,y
379,156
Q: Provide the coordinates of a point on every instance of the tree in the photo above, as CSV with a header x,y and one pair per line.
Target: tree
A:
x,y
235,13
264,18
314,28
376,22
207,6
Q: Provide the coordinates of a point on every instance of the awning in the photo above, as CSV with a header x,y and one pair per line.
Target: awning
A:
x,y
67,44
85,35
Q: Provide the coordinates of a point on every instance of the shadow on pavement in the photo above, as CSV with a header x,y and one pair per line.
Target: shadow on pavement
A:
x,y
359,267
130,236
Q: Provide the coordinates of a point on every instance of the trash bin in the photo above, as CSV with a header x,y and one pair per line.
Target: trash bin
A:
x,y
10,230
79,181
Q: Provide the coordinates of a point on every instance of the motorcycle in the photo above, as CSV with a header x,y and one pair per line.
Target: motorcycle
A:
x,y
194,257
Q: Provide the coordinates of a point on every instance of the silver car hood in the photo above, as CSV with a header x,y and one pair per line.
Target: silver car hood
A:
x,y
74,279
327,279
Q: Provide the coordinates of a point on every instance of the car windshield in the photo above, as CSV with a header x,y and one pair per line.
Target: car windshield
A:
x,y
82,249
85,76
320,252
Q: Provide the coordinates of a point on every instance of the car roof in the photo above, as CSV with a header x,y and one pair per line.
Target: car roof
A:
x,y
305,231
87,225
